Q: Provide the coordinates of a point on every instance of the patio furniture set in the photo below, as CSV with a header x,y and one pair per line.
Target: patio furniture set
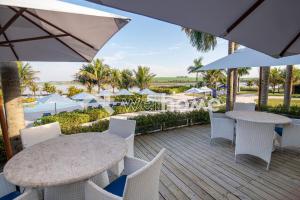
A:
x,y
255,133
54,166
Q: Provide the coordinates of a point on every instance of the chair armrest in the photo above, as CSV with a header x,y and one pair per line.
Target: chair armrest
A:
x,y
219,115
5,186
29,195
222,121
132,165
105,131
130,145
93,192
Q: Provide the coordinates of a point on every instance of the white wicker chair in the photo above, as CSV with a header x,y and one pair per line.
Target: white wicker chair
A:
x,y
8,191
126,130
290,135
255,139
221,126
34,135
244,106
141,182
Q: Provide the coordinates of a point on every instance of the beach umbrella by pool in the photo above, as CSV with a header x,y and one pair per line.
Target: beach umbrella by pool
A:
x,y
250,58
193,91
54,98
256,24
147,91
205,89
83,96
105,93
123,92
52,30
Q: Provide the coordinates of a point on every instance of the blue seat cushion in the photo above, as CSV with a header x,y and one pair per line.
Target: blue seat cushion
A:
x,y
11,195
117,186
279,130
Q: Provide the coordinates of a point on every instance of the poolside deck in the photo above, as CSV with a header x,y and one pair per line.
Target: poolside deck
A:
x,y
194,169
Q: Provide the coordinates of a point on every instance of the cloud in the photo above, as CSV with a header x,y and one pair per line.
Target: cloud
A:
x,y
175,46
118,46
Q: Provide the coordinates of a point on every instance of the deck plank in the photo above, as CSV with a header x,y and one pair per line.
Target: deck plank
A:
x,y
195,169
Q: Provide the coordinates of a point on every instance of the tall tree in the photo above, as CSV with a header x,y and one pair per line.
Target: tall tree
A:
x,y
127,79
242,72
275,78
213,77
115,78
27,75
34,88
195,68
96,72
143,77
49,88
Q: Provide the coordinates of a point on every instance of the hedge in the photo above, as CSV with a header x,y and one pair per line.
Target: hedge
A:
x,y
137,106
170,89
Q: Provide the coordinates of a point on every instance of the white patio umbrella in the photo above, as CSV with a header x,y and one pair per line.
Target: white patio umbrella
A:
x,y
249,58
54,98
205,89
253,23
48,30
123,92
83,96
52,30
105,93
193,91
147,91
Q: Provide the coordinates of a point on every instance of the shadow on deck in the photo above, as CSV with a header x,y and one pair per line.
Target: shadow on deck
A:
x,y
194,169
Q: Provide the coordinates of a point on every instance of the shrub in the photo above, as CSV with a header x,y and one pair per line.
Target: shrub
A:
x,y
170,89
293,112
131,98
96,113
28,100
72,90
67,121
137,106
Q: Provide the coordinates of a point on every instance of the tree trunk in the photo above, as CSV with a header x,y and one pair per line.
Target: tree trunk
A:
x,y
12,103
288,86
264,87
229,82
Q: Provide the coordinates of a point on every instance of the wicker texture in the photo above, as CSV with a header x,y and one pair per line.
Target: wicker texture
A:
x,y
254,139
290,135
244,106
34,135
125,129
29,194
73,191
142,181
221,126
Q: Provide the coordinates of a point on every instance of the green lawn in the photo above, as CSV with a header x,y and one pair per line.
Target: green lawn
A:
x,y
276,102
178,79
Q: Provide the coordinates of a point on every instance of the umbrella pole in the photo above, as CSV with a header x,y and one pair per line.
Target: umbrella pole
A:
x,y
6,140
259,87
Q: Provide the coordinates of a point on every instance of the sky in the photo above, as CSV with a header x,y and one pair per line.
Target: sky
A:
x,y
144,41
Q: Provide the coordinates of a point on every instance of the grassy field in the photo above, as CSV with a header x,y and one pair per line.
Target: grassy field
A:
x,y
276,102
178,79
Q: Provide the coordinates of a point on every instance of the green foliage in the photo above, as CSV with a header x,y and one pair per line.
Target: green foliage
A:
x,y
49,88
293,112
2,152
137,106
127,79
170,89
28,100
143,77
152,122
72,90
96,114
130,98
27,75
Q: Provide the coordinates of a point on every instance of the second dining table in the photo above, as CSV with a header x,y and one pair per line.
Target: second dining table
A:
x,y
65,160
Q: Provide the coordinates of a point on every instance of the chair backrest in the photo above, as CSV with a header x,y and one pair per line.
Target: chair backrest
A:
x,y
244,106
291,134
144,183
122,127
34,135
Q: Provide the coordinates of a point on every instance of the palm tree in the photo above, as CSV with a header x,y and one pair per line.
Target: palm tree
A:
x,y
205,42
213,77
195,69
292,77
242,72
127,79
143,77
250,82
34,88
26,74
115,78
97,72
49,88
275,78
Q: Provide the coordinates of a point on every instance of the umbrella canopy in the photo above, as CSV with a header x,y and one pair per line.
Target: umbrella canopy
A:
x,y
52,30
105,93
123,92
83,96
253,23
250,58
147,91
193,91
205,89
54,98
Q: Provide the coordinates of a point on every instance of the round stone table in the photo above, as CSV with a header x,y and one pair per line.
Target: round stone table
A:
x,y
259,117
65,159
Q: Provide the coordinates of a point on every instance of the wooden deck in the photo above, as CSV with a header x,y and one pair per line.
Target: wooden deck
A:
x,y
194,169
